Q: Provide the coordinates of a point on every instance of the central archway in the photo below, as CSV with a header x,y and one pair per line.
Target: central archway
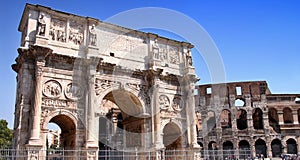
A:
x,y
122,123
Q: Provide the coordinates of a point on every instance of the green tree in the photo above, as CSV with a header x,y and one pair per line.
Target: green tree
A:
x,y
6,135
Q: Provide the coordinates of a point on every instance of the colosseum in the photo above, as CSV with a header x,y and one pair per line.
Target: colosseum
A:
x,y
245,118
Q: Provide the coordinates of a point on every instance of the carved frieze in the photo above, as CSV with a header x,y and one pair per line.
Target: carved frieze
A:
x,y
47,102
52,89
76,32
102,85
73,91
58,30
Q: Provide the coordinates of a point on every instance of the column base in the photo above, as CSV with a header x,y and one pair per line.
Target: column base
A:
x,y
34,151
34,142
92,153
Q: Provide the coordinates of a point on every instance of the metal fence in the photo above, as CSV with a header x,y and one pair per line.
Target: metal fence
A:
x,y
10,154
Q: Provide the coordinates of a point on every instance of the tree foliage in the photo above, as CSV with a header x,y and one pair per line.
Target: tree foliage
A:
x,y
6,135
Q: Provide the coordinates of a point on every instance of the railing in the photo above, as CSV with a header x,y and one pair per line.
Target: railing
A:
x,y
24,154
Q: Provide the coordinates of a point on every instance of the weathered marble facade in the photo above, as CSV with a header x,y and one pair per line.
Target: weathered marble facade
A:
x,y
104,85
243,116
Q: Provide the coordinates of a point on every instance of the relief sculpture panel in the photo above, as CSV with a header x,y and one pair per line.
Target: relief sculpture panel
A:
x,y
173,55
58,30
76,33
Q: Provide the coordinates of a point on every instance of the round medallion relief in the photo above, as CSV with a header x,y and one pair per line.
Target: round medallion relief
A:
x,y
52,89
164,102
73,91
177,104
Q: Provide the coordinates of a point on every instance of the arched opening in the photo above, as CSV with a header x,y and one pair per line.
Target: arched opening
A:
x,y
121,124
276,148
172,140
239,103
244,150
291,146
212,150
260,148
274,120
225,118
241,119
210,121
228,151
62,134
287,115
257,118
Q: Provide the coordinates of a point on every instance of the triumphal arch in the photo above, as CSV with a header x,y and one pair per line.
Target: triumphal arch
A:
x,y
105,86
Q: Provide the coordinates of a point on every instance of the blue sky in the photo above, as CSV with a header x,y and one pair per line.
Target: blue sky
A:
x,y
257,39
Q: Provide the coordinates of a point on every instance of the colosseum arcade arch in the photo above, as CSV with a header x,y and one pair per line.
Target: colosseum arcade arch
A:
x,y
274,120
225,119
287,116
241,119
257,117
244,149
291,146
276,148
260,147
228,150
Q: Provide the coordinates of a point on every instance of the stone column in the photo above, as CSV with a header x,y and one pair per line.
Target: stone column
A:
x,y
157,120
36,112
280,117
191,116
92,131
295,117
92,143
